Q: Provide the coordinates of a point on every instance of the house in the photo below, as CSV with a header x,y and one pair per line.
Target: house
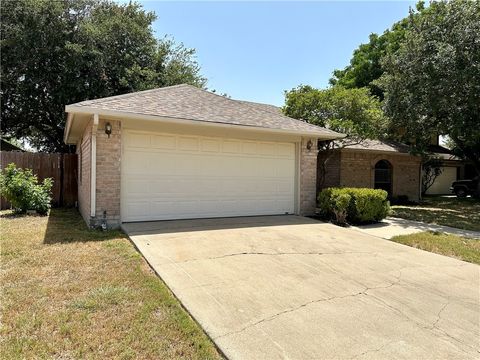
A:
x,y
386,165
452,169
181,152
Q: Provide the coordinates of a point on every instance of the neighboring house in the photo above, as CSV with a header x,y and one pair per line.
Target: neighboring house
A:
x,y
182,152
375,164
452,169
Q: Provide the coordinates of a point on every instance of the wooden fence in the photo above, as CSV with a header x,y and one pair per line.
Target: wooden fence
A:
x,y
62,168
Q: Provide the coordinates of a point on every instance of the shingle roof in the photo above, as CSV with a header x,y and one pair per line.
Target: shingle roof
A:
x,y
191,103
380,145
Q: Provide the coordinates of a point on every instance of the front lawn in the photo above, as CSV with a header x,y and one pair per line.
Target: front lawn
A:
x,y
462,213
73,293
445,244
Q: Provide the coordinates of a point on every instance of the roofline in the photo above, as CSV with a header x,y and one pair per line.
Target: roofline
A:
x,y
68,125
377,151
72,109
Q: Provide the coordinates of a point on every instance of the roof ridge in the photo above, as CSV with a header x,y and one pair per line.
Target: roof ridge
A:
x,y
259,103
130,94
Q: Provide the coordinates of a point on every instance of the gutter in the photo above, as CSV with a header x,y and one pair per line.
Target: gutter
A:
x,y
93,164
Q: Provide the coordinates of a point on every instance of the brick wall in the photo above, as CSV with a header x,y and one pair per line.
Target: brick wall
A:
x,y
84,148
358,170
108,174
328,169
308,177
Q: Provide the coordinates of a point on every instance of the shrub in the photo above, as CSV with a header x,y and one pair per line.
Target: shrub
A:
x,y
21,188
340,203
364,205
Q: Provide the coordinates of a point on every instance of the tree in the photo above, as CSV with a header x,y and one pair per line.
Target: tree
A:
x,y
432,83
366,64
432,168
350,111
60,52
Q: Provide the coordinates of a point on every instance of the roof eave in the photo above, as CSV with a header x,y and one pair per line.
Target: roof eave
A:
x,y
68,126
72,109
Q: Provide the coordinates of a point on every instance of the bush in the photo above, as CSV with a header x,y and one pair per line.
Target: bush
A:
x,y
21,188
364,205
340,203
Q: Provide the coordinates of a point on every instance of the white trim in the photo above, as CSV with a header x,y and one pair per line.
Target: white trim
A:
x,y
93,170
298,158
87,110
68,125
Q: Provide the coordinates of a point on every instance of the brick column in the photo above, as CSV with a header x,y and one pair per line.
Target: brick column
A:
x,y
308,177
108,174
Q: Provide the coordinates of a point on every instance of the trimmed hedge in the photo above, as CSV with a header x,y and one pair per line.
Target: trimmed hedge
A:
x,y
364,205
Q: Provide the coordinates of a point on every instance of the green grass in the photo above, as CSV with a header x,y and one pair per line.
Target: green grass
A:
x,y
73,293
445,244
450,211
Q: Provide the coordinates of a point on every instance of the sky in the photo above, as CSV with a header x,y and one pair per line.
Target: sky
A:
x,y
256,50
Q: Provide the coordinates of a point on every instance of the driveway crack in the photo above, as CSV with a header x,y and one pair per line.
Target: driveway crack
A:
x,y
274,316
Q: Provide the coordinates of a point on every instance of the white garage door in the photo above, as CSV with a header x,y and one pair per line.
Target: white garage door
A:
x,y
166,176
443,181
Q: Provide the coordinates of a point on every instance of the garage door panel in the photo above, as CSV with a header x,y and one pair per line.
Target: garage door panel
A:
x,y
163,142
175,177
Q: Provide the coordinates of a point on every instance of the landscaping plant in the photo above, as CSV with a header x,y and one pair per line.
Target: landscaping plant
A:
x,y
363,206
22,189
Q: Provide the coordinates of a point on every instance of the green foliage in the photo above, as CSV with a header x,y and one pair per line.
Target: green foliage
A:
x,y
364,205
432,168
366,64
21,188
351,111
340,203
432,81
60,52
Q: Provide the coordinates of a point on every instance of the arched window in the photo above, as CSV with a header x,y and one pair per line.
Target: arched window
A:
x,y
383,176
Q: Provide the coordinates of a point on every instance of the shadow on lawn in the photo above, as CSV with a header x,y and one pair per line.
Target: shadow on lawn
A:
x,y
65,225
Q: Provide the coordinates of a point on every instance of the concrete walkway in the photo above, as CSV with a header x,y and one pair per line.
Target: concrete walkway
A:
x,y
391,227
287,287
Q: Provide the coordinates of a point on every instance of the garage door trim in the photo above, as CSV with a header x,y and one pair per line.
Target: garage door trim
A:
x,y
293,169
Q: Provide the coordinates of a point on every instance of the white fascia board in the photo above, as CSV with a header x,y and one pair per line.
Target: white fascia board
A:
x,y
87,110
68,125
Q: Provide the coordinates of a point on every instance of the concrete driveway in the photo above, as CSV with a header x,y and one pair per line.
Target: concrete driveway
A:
x,y
295,288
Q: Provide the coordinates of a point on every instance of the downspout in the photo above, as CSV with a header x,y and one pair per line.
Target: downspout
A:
x,y
93,172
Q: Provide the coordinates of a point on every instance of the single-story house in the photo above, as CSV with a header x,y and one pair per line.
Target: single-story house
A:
x,y
386,165
452,169
181,152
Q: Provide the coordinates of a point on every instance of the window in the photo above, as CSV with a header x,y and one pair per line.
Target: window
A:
x,y
383,176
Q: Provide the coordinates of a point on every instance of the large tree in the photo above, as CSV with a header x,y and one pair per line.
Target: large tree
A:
x,y
366,64
351,111
60,52
432,83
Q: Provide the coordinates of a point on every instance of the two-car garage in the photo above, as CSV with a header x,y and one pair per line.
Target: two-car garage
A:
x,y
171,176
